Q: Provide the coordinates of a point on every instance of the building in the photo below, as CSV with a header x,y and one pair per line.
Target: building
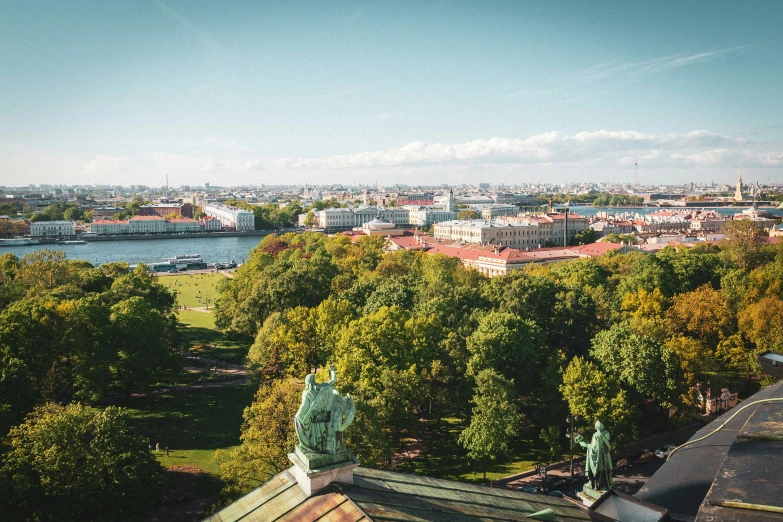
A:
x,y
106,211
738,192
52,228
232,218
109,227
333,219
147,225
183,225
497,210
523,232
211,224
166,209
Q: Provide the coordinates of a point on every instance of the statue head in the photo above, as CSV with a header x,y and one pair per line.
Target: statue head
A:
x,y
598,426
310,381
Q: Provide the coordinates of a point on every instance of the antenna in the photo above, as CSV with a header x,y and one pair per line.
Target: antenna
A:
x,y
636,169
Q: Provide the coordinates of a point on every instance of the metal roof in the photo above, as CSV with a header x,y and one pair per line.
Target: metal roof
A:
x,y
378,495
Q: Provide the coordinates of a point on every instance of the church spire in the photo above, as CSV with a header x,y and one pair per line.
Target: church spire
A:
x,y
738,191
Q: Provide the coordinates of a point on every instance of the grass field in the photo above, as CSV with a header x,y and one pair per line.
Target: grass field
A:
x,y
447,459
193,290
200,332
193,425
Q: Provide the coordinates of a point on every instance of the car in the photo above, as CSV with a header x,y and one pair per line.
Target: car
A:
x,y
531,489
555,493
664,451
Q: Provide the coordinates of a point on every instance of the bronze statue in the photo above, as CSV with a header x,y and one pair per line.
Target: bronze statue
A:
x,y
323,416
598,465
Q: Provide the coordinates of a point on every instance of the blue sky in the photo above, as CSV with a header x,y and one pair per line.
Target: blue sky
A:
x,y
389,92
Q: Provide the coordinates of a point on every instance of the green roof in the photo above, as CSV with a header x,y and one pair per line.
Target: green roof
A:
x,y
378,495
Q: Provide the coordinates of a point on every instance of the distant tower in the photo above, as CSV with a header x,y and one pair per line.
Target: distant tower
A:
x,y
636,170
738,192
450,204
166,192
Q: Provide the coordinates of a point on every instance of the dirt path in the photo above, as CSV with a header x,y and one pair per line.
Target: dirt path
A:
x,y
202,309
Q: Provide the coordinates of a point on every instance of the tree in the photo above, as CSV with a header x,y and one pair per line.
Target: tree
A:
x,y
143,352
73,214
583,237
762,324
641,364
628,239
308,221
645,312
744,239
68,463
468,214
495,420
268,436
702,314
594,395
552,438
508,345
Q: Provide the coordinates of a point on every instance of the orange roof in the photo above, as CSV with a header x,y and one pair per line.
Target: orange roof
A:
x,y
147,218
108,222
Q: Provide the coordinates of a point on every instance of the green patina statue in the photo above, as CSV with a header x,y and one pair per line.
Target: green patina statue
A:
x,y
598,465
323,416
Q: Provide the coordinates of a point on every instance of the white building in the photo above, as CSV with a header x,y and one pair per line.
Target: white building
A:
x,y
231,217
211,224
183,225
109,227
52,229
146,225
345,218
524,232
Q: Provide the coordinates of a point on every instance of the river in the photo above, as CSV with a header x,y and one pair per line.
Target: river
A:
x,y
211,249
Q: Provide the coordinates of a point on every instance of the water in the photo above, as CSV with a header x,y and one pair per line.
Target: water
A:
x,y
212,249
589,211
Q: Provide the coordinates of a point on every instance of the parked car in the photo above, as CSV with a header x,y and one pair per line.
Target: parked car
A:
x,y
664,451
555,493
531,489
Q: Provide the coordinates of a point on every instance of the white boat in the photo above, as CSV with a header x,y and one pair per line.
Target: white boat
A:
x,y
18,241
72,242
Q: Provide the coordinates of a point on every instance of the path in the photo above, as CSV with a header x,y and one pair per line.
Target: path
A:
x,y
203,309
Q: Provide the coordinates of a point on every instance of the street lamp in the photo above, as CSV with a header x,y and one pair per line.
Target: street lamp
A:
x,y
571,434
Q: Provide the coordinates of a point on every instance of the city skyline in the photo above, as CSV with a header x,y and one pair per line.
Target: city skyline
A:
x,y
414,93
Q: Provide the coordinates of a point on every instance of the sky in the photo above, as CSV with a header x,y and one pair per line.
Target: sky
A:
x,y
252,92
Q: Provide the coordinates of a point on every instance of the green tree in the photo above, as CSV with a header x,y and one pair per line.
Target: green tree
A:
x,y
551,437
495,420
139,338
73,214
468,214
68,463
508,345
594,395
641,364
268,436
744,239
583,237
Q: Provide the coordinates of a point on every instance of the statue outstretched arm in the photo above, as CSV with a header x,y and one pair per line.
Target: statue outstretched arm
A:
x,y
581,441
332,375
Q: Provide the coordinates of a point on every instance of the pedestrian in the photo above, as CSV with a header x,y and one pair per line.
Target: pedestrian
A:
x,y
167,451
157,447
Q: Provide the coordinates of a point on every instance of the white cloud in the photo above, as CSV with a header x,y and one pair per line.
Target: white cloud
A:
x,y
104,164
588,148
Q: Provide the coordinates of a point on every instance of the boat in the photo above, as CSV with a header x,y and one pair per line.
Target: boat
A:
x,y
180,263
18,241
72,242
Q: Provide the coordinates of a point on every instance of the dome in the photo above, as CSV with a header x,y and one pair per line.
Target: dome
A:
x,y
378,224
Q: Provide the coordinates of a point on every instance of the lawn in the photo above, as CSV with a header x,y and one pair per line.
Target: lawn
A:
x,y
200,336
445,458
193,290
193,425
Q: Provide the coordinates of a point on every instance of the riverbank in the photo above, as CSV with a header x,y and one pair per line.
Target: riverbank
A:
x,y
181,235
